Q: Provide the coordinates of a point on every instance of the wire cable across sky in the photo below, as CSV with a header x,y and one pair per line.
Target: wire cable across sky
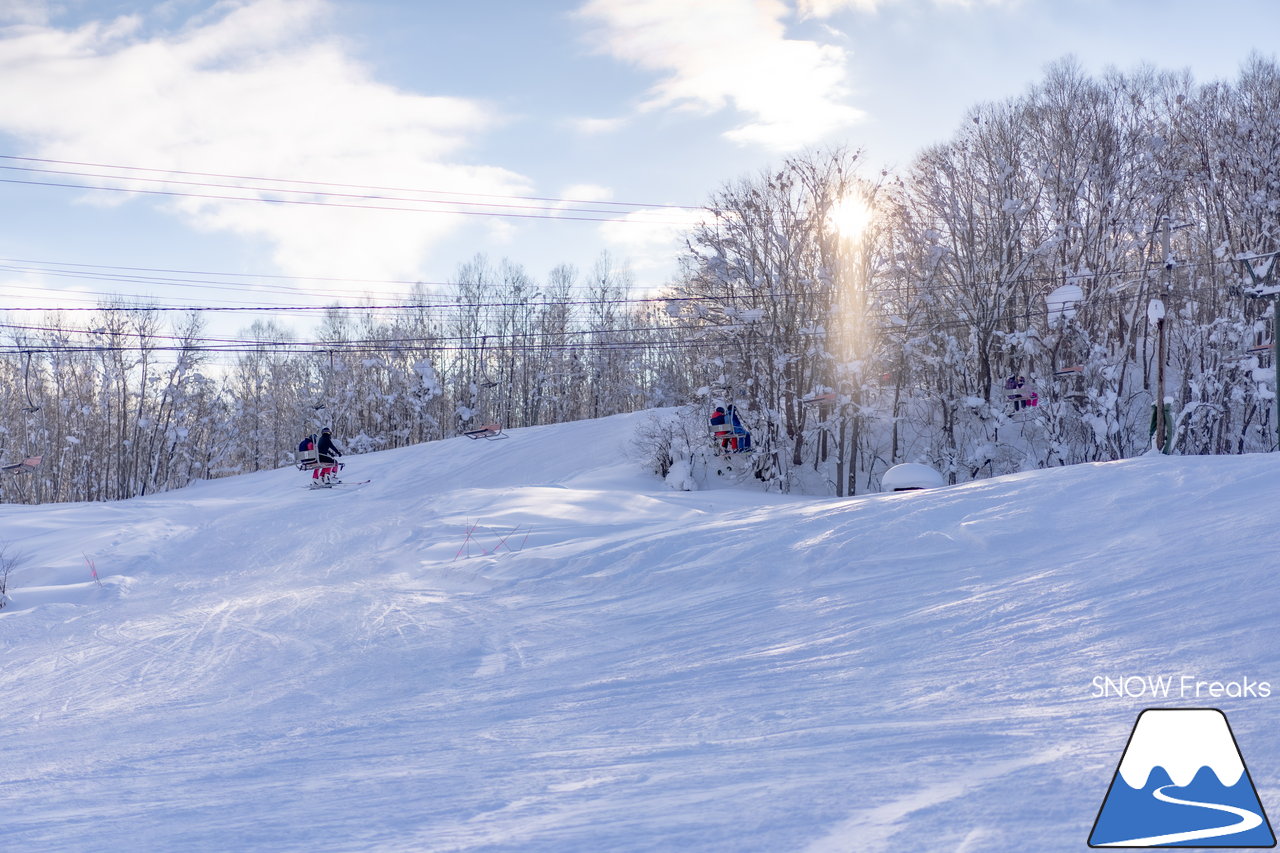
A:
x,y
180,184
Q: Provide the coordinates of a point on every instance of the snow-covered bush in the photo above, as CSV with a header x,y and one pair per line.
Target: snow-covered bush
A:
x,y
674,444
9,561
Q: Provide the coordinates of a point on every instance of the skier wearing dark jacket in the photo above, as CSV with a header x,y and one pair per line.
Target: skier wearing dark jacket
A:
x,y
326,455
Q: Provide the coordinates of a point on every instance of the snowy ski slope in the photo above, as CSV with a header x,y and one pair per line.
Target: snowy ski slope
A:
x,y
265,668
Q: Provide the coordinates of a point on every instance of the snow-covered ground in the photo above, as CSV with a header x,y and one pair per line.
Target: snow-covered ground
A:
x,y
630,668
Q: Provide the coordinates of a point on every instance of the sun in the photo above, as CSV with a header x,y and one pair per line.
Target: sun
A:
x,y
850,216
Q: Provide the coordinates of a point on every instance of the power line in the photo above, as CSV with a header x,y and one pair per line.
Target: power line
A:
x,y
349,206
201,279
273,306
37,266
253,344
210,280
369,349
105,271
411,306
344,186
489,341
327,194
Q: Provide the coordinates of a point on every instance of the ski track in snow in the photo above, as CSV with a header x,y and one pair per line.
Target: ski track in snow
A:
x,y
269,668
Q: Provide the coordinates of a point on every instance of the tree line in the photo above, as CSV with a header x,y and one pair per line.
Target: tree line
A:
x,y
1039,247
1074,239
120,404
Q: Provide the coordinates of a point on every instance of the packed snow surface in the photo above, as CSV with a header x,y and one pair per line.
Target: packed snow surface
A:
x,y
534,645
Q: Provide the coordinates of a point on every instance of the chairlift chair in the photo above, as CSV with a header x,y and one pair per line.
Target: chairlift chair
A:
x,y
490,432
824,405
1070,382
1021,393
482,382
731,435
307,460
26,466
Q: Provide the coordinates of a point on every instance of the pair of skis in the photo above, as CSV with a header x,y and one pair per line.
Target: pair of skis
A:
x,y
317,486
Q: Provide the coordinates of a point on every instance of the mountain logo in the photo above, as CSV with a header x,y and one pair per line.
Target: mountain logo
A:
x,y
1182,782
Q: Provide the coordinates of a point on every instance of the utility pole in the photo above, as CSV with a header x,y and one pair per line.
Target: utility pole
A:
x,y
1163,348
1156,312
1264,286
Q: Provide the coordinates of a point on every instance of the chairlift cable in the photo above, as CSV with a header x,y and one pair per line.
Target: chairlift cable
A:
x,y
259,179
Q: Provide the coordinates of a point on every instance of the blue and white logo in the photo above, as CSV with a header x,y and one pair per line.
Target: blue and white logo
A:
x,y
1182,783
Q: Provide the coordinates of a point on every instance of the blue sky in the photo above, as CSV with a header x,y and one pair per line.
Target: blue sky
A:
x,y
621,101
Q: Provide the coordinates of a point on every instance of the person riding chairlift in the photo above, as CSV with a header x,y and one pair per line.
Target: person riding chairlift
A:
x,y
1017,392
728,429
327,465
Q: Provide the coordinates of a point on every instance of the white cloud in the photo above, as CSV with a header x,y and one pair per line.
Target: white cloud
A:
x,y
828,8
23,12
255,88
651,238
586,192
597,126
731,53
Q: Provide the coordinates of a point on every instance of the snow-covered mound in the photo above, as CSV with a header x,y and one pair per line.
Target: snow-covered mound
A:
x,y
532,644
